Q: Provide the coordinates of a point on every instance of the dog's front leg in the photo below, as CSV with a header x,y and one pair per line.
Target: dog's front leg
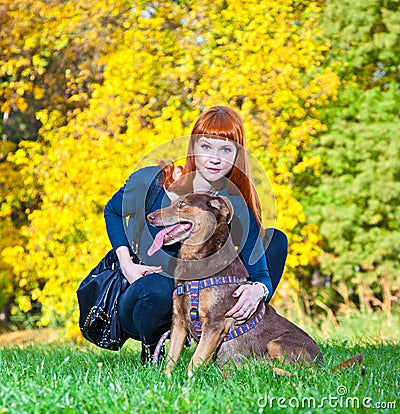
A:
x,y
178,338
209,342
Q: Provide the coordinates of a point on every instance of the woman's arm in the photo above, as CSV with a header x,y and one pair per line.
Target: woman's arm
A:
x,y
114,220
133,271
253,257
116,232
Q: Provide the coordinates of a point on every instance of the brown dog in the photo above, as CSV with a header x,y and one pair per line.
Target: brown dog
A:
x,y
200,222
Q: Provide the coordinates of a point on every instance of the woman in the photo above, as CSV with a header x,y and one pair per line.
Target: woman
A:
x,y
216,162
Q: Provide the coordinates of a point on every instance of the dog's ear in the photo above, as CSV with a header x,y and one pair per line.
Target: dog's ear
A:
x,y
224,205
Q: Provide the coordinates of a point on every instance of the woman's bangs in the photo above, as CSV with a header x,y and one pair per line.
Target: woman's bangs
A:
x,y
218,127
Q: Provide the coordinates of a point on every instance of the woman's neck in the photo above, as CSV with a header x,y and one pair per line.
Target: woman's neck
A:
x,y
202,185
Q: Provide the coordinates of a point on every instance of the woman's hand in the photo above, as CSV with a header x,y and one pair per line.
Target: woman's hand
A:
x,y
249,296
133,271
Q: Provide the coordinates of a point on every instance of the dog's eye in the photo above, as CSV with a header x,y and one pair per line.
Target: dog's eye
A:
x,y
181,204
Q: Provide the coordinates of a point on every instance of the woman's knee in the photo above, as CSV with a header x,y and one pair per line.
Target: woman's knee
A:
x,y
155,286
276,239
146,307
276,253
152,288
281,239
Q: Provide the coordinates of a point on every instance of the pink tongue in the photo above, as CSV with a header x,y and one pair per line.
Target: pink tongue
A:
x,y
158,242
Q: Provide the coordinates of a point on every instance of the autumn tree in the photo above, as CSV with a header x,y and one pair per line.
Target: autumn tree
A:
x,y
50,57
365,40
355,201
8,233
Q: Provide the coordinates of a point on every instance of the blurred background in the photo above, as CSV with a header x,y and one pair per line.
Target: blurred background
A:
x,y
89,88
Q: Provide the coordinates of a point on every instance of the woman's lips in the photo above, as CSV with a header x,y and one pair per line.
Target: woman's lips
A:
x,y
214,170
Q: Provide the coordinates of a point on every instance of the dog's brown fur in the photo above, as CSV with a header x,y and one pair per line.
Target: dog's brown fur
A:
x,y
273,338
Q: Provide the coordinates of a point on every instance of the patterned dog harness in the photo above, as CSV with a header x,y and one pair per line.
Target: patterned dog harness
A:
x,y
193,289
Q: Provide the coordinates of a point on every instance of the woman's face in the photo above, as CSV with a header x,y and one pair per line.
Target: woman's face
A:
x,y
214,158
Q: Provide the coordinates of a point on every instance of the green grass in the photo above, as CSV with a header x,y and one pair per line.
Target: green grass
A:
x,y
68,378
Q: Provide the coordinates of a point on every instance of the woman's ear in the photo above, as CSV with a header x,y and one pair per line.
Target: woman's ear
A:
x,y
177,173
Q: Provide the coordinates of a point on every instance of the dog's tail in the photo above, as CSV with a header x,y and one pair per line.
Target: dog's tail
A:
x,y
348,363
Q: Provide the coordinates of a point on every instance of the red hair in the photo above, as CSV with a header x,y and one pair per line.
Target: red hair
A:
x,y
219,122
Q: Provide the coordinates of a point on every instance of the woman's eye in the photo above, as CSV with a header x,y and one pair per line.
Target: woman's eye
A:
x,y
205,147
227,150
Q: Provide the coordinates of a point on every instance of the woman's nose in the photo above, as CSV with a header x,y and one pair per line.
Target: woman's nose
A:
x,y
215,159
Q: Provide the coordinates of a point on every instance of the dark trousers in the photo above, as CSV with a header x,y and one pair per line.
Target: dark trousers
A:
x,y
145,308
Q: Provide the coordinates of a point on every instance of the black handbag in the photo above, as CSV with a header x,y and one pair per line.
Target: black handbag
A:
x,y
100,291
98,296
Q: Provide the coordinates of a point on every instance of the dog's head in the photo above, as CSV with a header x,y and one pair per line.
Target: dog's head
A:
x,y
191,219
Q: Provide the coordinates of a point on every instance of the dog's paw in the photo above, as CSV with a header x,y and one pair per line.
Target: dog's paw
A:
x,y
279,371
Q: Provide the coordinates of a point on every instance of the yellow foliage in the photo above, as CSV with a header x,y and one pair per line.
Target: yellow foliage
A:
x,y
49,49
261,57
24,304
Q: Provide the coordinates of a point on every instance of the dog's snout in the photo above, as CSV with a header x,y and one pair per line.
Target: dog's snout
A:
x,y
155,218
151,216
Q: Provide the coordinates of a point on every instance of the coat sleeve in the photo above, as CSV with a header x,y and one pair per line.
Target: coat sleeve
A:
x,y
114,220
252,254
127,202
